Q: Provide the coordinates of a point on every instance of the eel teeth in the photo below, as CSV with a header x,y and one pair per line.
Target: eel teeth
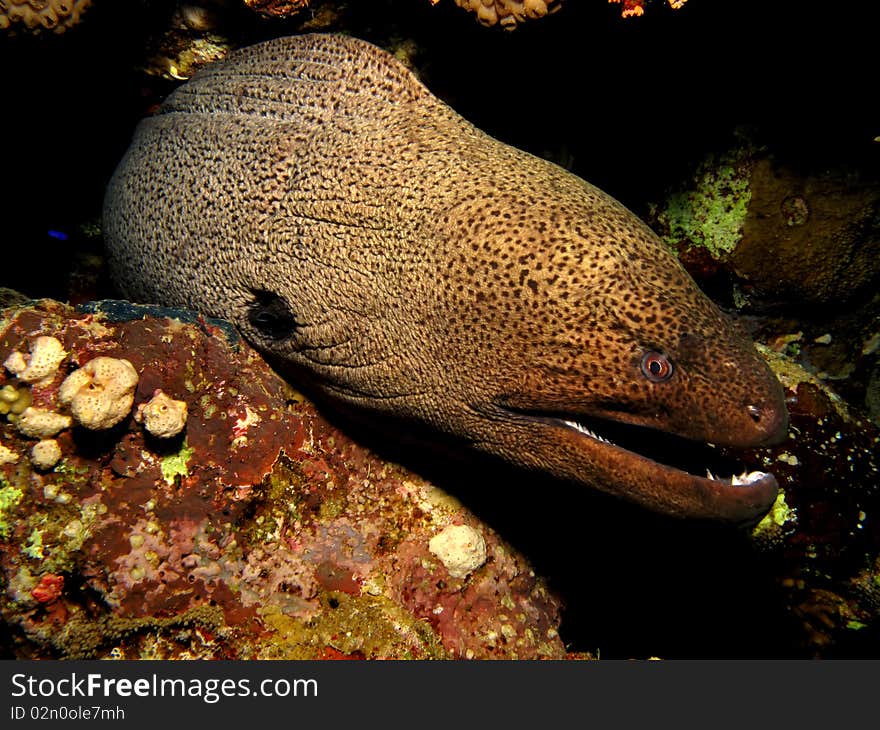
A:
x,y
747,478
738,480
735,480
580,428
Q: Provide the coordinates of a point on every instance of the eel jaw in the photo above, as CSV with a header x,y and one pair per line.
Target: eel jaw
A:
x,y
746,478
742,499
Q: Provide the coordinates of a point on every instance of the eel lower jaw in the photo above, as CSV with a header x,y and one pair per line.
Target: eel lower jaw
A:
x,y
632,461
745,479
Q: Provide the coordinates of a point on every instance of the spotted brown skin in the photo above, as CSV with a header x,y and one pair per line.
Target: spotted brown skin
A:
x,y
313,192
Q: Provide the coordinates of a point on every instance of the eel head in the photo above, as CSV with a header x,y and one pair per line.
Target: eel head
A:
x,y
595,357
558,334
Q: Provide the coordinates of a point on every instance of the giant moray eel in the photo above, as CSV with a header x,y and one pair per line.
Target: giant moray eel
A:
x,y
312,191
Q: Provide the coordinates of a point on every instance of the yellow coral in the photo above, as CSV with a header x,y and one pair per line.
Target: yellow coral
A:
x,y
461,549
46,354
13,400
162,416
41,423
100,394
45,454
41,15
7,455
508,13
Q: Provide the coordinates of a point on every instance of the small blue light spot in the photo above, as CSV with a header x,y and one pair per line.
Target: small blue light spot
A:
x,y
60,235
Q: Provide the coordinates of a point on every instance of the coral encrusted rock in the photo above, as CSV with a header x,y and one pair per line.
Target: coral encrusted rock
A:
x,y
821,540
37,16
259,531
508,13
788,234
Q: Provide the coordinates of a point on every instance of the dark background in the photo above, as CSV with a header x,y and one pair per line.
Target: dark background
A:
x,y
630,105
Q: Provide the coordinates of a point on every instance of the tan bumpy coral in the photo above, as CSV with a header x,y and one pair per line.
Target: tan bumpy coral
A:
x,y
41,15
100,394
277,8
509,13
162,416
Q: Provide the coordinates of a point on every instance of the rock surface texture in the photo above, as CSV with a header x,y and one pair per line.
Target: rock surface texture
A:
x,y
259,531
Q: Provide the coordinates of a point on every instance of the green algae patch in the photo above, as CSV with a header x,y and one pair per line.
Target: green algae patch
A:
x,y
72,475
175,465
363,627
34,547
777,525
779,516
711,211
9,498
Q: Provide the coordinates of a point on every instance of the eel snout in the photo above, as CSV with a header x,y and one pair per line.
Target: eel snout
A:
x,y
769,423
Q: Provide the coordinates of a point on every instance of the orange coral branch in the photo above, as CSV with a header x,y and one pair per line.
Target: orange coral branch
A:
x,y
631,7
635,8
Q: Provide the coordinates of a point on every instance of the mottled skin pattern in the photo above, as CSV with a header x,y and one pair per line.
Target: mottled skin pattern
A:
x,y
313,192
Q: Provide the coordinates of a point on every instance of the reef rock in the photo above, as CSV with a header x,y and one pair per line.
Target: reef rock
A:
x,y
36,16
259,531
810,237
788,234
821,540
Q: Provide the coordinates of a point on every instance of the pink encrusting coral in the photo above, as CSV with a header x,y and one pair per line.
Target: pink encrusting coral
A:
x,y
259,531
49,588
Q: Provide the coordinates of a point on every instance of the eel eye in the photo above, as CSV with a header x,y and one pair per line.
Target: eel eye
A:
x,y
656,367
270,315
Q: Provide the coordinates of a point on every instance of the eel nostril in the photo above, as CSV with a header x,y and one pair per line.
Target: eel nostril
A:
x,y
754,412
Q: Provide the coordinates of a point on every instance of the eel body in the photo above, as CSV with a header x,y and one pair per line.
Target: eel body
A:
x,y
311,190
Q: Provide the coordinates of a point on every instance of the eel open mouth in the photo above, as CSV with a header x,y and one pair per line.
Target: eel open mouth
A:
x,y
663,471
668,450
